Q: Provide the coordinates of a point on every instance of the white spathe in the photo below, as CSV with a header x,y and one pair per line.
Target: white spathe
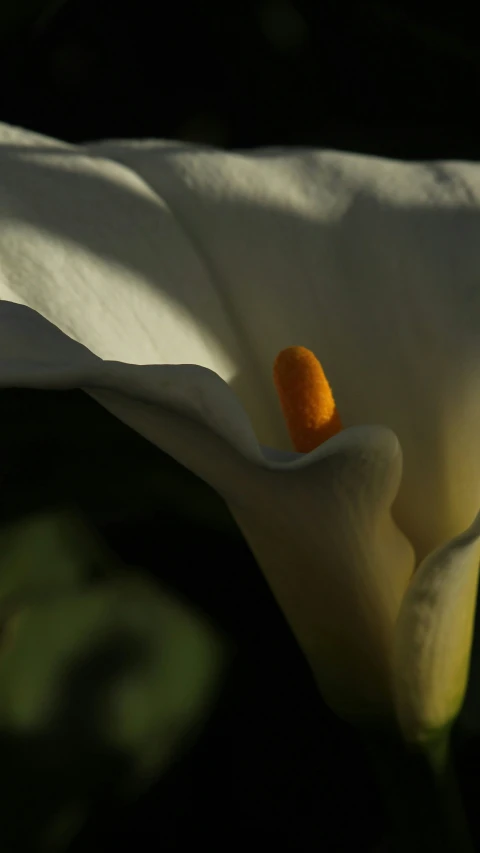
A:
x,y
163,253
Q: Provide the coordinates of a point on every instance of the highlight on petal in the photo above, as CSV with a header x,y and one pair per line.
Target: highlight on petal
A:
x,y
434,638
306,398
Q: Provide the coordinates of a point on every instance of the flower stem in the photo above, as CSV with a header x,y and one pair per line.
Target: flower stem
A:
x,y
422,795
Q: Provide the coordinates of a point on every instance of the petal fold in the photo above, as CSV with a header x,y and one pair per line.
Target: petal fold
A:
x,y
434,637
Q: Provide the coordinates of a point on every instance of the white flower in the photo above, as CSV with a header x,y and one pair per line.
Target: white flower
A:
x,y
164,279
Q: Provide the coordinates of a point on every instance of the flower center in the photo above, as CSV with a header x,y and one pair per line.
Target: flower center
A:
x,y
306,398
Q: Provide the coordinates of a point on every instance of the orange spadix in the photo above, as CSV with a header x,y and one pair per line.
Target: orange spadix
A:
x,y
306,398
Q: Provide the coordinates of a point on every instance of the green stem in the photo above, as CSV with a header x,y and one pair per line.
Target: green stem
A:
x,y
422,796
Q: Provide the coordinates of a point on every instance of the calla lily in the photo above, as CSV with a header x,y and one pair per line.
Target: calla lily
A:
x,y
164,279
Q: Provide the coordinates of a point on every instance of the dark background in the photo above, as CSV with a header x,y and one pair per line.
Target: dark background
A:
x,y
394,78
274,768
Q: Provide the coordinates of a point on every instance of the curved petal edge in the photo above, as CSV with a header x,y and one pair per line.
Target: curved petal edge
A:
x,y
434,636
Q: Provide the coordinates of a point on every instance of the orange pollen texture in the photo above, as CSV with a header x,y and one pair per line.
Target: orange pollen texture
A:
x,y
306,398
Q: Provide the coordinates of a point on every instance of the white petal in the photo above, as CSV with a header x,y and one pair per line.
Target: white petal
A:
x,y
160,252
372,264
434,637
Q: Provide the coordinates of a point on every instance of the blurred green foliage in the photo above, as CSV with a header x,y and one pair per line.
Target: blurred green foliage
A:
x,y
104,673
